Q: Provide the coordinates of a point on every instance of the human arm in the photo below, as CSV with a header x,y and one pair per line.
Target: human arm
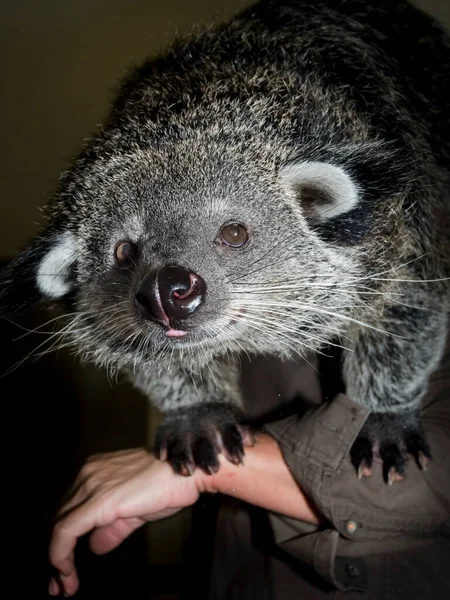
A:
x,y
360,517
264,481
116,493
363,518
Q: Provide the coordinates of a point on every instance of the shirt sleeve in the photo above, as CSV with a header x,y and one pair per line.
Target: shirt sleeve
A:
x,y
364,516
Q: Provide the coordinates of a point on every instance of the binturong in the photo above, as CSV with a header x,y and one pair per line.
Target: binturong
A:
x,y
274,185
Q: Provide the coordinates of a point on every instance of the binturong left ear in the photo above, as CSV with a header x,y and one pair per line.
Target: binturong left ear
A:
x,y
42,272
339,188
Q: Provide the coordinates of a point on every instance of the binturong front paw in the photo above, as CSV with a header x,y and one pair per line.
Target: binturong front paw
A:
x,y
195,436
390,438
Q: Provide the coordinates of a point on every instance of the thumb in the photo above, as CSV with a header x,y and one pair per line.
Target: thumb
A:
x,y
106,538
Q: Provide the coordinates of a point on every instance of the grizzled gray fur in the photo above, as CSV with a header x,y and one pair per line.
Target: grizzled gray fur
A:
x,y
271,185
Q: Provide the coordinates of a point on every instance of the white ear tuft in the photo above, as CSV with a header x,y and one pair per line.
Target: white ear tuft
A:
x,y
324,190
53,273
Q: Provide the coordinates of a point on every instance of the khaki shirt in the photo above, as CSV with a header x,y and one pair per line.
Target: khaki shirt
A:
x,y
391,541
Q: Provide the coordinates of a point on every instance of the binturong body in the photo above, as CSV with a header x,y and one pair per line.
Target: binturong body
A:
x,y
271,185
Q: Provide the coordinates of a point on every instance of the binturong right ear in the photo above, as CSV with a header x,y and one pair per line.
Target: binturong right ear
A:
x,y
42,272
339,188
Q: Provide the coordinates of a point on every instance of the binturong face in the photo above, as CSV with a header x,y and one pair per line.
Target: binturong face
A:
x,y
197,224
177,253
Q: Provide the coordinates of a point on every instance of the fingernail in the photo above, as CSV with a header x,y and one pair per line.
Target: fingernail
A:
x,y
53,588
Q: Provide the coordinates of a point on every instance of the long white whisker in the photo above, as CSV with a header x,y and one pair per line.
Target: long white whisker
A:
x,y
277,338
319,311
293,330
263,324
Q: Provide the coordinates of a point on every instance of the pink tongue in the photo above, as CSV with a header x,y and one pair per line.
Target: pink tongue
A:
x,y
175,333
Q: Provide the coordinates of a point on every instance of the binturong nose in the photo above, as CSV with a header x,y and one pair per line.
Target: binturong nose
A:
x,y
169,294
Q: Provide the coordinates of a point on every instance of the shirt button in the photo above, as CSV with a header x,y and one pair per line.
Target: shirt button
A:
x,y
352,570
351,526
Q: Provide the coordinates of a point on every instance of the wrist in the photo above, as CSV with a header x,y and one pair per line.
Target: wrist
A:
x,y
227,479
263,480
211,482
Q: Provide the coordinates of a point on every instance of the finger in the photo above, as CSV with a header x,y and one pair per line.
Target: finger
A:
x,y
107,538
82,488
53,587
80,497
70,584
91,465
77,492
67,531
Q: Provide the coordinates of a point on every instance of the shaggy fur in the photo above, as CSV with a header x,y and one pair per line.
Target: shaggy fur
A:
x,y
323,127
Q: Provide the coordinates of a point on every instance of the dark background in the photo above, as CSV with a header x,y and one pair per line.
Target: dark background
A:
x,y
61,61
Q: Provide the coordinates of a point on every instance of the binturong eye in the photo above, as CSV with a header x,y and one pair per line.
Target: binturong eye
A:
x,y
234,235
125,253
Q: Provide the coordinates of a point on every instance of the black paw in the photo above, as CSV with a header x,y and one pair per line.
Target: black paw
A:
x,y
196,436
392,437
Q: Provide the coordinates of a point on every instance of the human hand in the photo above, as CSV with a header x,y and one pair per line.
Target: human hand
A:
x,y
118,492
114,495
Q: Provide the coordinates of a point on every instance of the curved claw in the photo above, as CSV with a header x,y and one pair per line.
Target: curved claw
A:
x,y
397,436
196,436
